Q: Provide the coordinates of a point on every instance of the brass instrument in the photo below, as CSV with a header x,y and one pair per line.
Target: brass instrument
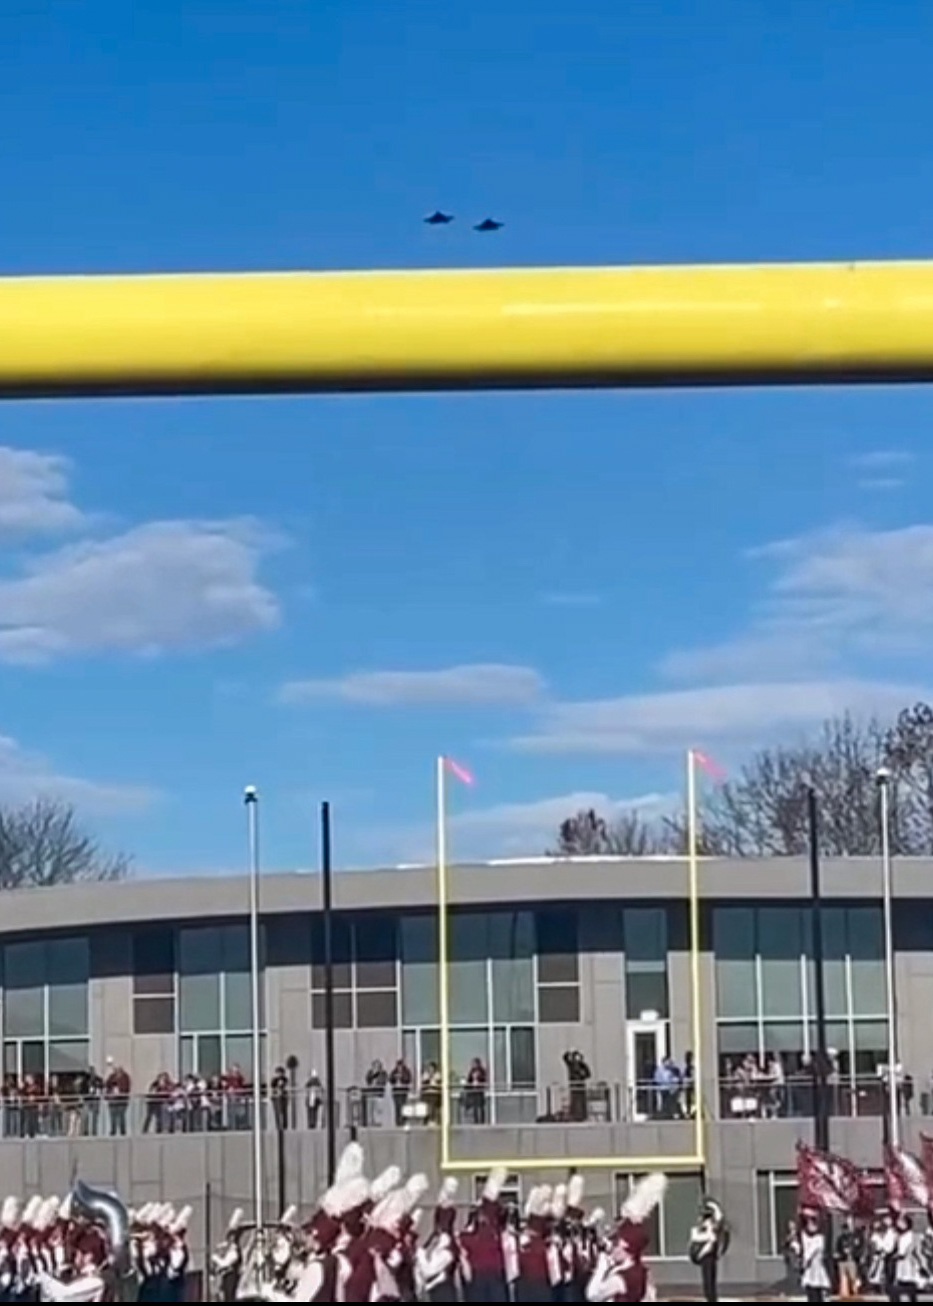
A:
x,y
98,1206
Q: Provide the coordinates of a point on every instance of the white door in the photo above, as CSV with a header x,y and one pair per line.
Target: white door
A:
x,y
646,1048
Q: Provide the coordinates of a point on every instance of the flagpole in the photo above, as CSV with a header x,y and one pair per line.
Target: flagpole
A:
x,y
693,870
251,800
443,959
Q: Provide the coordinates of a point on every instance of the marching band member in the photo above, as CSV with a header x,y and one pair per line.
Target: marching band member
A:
x,y
334,1262
812,1252
709,1242
227,1260
882,1255
908,1268
621,1274
176,1256
489,1254
387,1242
578,1243
537,1256
437,1263
10,1221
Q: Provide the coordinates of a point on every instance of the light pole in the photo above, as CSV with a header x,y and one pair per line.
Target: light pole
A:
x,y
821,1112
251,799
330,1054
883,778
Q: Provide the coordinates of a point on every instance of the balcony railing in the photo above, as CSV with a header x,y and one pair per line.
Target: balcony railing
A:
x,y
361,1108
853,1097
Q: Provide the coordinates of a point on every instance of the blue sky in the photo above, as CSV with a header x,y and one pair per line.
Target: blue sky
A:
x,y
318,595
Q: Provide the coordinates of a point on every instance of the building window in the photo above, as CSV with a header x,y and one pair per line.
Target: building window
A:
x,y
765,1002
644,933
493,991
154,981
46,1007
777,1204
558,966
672,1223
215,1007
365,966
511,1193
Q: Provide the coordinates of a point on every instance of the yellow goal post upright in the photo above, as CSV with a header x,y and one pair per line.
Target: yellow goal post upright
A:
x,y
693,1161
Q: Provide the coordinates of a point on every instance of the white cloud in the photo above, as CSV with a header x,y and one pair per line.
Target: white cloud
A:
x,y
528,829
882,470
723,716
510,829
837,596
164,586
479,684
34,494
26,776
882,460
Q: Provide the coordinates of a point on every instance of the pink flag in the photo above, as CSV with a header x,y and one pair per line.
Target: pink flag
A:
x,y
459,772
710,766
828,1183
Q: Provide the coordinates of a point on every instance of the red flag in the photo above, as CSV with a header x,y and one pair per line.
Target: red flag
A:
x,y
459,772
926,1154
829,1183
710,766
908,1186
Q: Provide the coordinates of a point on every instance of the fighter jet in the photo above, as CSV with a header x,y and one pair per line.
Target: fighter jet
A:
x,y
439,219
489,224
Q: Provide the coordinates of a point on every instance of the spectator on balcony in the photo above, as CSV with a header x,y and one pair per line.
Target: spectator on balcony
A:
x,y
90,1085
31,1097
158,1099
774,1089
279,1094
476,1093
401,1083
314,1100
432,1092
688,1096
668,1084
579,1075
236,1086
907,1092
117,1090
374,1092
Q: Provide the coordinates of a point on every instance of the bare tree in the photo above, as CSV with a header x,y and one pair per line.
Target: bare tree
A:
x,y
587,834
43,844
763,810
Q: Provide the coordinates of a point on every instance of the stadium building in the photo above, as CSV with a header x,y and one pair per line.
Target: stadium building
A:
x,y
546,958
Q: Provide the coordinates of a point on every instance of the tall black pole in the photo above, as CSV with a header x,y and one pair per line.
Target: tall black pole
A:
x,y
330,1057
821,1056
280,1159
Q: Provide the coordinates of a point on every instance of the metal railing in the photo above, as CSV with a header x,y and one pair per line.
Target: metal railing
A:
x,y
362,1107
860,1096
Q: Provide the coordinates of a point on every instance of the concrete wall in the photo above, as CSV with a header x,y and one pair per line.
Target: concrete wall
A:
x,y
213,1174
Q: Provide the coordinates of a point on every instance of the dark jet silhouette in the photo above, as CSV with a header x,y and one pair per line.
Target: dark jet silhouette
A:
x,y
439,219
489,224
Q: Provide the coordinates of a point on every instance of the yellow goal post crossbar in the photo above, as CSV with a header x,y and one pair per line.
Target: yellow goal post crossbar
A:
x,y
256,333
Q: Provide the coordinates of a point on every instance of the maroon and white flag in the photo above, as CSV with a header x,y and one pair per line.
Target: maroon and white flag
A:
x,y
828,1183
907,1183
926,1154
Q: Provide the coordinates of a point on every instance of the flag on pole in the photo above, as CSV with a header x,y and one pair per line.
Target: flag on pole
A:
x,y
710,766
459,772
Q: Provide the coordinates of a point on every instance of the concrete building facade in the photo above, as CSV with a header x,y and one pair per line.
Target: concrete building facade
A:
x,y
546,957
